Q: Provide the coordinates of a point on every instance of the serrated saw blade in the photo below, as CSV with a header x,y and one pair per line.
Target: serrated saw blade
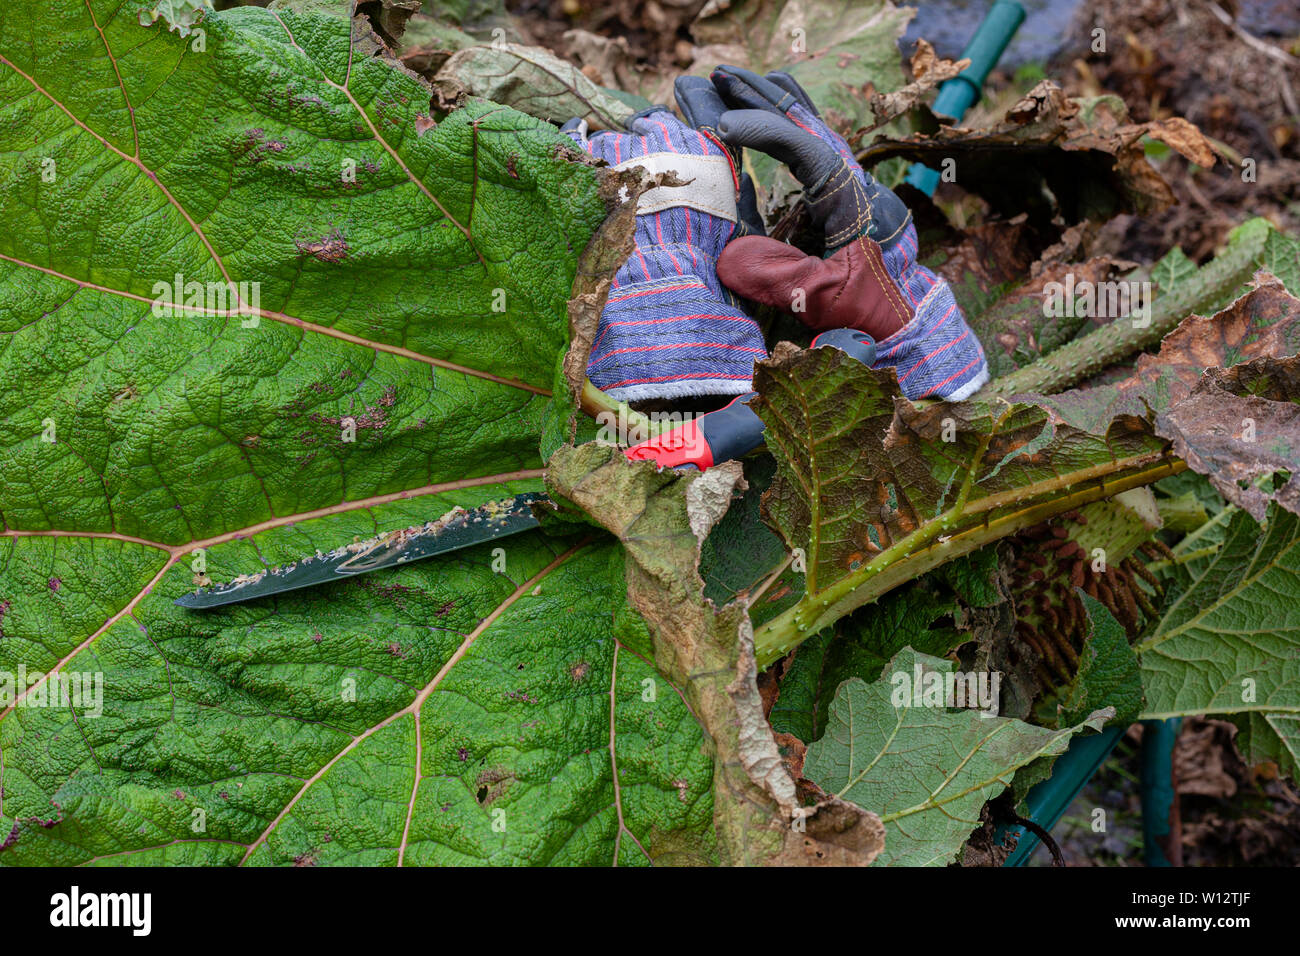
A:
x,y
458,528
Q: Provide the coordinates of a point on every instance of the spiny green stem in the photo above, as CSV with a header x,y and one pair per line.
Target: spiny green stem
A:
x,y
595,402
1112,343
928,547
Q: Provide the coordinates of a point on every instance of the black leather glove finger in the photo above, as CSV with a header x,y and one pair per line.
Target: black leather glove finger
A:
x,y
698,101
702,107
744,89
811,160
791,86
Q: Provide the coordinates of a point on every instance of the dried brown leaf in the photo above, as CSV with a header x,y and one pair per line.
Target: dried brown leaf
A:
x,y
928,71
709,654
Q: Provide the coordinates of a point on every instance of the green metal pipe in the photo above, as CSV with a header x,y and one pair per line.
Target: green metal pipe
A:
x,y
1161,824
962,92
1047,801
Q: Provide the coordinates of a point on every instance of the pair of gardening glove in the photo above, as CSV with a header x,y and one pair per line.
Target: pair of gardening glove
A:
x,y
673,325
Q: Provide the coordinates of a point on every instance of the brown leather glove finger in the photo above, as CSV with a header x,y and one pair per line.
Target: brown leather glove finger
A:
x,y
849,290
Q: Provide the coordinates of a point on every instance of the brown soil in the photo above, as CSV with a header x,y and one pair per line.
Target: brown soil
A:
x,y
1178,59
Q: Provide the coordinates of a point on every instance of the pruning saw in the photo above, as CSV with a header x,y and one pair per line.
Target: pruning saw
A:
x,y
457,529
718,436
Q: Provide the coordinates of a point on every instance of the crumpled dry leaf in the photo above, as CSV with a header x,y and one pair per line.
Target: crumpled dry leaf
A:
x,y
1183,136
984,848
609,61
709,654
1241,424
609,248
389,17
530,79
1199,758
929,70
1231,424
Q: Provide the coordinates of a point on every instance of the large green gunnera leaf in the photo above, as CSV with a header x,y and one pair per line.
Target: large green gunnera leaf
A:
x,y
384,351
1230,643
412,284
925,768
442,714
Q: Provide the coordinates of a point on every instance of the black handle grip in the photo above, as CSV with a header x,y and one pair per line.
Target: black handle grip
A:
x,y
732,431
850,341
